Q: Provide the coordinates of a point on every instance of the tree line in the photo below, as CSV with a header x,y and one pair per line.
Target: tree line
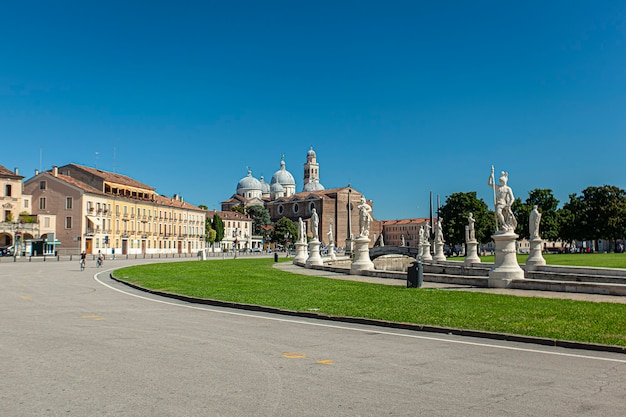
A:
x,y
596,213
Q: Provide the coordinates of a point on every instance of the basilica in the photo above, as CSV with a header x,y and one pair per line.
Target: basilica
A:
x,y
281,199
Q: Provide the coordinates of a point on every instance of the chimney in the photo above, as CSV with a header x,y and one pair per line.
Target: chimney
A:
x,y
17,171
55,171
36,172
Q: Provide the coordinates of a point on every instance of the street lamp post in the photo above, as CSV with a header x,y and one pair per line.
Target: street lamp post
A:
x,y
287,237
235,242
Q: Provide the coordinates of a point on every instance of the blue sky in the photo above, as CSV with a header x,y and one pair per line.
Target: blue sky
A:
x,y
398,98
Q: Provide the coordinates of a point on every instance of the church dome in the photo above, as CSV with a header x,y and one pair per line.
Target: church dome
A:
x,y
313,186
276,187
311,153
265,187
248,183
282,176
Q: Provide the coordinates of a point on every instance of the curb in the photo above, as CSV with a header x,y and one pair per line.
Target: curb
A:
x,y
388,324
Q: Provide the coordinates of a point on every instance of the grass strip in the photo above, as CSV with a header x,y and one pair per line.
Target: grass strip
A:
x,y
255,281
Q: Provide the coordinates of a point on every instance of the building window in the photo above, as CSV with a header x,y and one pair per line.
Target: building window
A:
x,y
42,185
46,221
281,209
42,203
7,190
68,222
296,208
68,203
25,203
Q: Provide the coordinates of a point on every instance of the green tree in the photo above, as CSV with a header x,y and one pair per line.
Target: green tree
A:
x,y
571,221
602,212
455,212
281,228
218,226
547,205
238,209
209,233
203,207
260,217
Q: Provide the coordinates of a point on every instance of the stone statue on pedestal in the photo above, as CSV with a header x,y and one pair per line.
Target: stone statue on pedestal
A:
x,y
471,228
301,231
503,196
533,223
315,222
365,218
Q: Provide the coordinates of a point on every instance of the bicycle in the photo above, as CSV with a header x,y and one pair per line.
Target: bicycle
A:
x,y
99,263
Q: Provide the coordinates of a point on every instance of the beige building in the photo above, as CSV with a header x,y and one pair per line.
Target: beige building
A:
x,y
237,232
103,211
21,231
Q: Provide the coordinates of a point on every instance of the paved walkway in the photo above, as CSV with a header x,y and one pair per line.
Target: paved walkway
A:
x,y
289,267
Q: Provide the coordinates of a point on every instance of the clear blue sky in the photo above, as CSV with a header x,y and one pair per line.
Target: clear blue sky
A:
x,y
397,98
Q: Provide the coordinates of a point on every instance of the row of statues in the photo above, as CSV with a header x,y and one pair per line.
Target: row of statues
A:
x,y
365,221
503,202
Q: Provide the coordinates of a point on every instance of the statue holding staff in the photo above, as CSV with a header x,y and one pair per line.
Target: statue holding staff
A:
x,y
503,195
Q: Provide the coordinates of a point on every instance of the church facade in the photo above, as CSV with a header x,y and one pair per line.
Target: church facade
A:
x,y
281,200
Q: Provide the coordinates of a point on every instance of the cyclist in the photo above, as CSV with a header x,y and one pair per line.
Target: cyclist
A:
x,y
83,260
100,259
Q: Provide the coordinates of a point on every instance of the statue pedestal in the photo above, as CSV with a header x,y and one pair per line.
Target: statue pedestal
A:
x,y
439,256
331,251
425,251
314,254
362,261
472,253
535,258
301,253
506,268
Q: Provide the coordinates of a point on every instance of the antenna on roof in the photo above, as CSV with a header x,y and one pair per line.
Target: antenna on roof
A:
x,y
40,157
114,158
96,159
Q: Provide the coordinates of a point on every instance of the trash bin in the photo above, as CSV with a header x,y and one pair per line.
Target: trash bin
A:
x,y
275,256
415,275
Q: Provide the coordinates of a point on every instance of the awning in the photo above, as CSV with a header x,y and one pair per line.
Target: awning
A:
x,y
56,242
94,219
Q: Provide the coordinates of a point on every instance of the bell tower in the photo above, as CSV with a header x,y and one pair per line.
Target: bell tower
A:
x,y
311,168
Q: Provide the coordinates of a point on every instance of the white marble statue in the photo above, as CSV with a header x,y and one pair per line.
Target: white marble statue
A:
x,y
382,240
421,234
365,218
301,231
503,201
533,223
330,234
471,237
439,231
402,241
315,222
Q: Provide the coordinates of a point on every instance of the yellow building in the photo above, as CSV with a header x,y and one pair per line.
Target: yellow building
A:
x,y
103,211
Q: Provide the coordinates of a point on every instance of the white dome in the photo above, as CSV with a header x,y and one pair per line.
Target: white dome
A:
x,y
276,187
249,183
282,176
313,186
265,187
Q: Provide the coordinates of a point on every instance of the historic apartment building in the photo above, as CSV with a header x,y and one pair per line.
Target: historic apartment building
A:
x,y
19,230
103,211
237,232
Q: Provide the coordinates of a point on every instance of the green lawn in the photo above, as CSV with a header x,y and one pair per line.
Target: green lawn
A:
x,y
601,260
255,281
